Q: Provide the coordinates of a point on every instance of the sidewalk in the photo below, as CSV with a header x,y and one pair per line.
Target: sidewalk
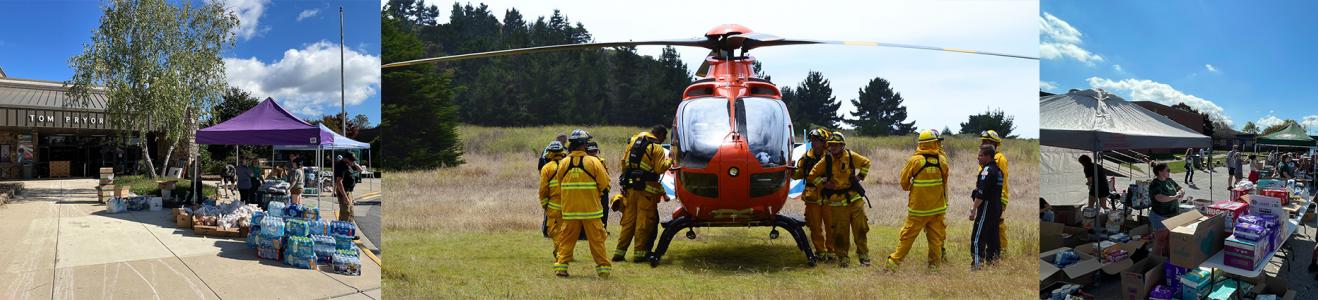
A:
x,y
62,245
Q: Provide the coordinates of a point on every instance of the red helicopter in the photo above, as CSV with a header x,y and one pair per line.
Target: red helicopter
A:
x,y
732,139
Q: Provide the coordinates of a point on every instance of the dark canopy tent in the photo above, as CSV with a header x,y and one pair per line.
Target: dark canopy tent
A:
x,y
266,124
1292,135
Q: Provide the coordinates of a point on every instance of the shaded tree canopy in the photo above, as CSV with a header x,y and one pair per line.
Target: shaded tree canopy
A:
x,y
995,120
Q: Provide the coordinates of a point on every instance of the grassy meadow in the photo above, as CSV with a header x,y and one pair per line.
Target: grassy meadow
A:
x,y
473,232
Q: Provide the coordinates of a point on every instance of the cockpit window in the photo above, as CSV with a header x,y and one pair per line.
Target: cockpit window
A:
x,y
763,122
704,125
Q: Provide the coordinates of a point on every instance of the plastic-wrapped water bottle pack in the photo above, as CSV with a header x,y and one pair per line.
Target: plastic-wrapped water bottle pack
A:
x,y
272,226
347,262
300,252
275,209
318,227
296,228
324,247
343,243
341,228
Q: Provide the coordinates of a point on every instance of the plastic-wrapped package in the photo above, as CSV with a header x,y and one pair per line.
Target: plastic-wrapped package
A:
x,y
275,209
272,226
252,237
324,247
343,243
293,211
341,228
1161,292
116,205
318,227
300,252
267,253
296,227
347,262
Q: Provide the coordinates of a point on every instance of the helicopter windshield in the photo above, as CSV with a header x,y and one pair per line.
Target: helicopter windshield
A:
x,y
763,122
704,124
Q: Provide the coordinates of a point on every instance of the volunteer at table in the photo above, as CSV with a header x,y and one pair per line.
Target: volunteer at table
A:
x,y
1166,204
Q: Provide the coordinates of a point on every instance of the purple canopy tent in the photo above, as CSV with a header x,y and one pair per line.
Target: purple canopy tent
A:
x,y
266,124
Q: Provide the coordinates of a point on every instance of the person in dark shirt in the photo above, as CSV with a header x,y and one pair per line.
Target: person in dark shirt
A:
x,y
1098,188
344,182
987,212
1166,196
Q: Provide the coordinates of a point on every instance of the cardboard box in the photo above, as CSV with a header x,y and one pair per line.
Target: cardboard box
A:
x,y
167,184
1264,205
1081,272
1280,194
122,191
182,219
207,230
1067,215
1141,277
1254,251
1057,235
1194,238
107,171
1113,267
1232,209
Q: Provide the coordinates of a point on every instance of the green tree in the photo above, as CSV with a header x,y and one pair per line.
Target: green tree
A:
x,y
812,102
879,110
235,101
989,120
417,106
160,67
1250,128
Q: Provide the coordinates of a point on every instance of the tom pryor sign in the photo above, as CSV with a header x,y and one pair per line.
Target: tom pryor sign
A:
x,y
43,118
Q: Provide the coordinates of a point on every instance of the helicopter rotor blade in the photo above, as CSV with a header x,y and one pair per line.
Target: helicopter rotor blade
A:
x,y
693,42
704,65
757,40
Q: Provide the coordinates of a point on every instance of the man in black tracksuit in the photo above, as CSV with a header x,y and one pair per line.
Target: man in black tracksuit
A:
x,y
987,212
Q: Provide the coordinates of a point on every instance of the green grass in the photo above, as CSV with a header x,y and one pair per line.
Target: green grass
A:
x,y
142,185
721,263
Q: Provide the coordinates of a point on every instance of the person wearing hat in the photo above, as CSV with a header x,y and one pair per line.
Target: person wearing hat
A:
x,y
643,161
817,215
593,149
990,137
924,177
549,201
839,175
581,178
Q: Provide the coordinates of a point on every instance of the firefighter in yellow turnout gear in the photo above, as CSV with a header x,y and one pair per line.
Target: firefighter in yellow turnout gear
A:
x,y
581,178
643,162
549,199
924,176
991,137
846,204
817,215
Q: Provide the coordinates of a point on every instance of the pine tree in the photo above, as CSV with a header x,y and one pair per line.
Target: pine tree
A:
x,y
995,120
417,104
879,110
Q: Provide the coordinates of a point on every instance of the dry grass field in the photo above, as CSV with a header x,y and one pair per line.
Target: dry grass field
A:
x,y
473,232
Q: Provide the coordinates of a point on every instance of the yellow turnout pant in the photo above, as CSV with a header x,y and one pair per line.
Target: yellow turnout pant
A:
x,y
934,231
849,220
818,218
566,240
640,220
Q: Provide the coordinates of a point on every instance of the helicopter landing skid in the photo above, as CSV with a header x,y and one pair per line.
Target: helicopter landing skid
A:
x,y
672,227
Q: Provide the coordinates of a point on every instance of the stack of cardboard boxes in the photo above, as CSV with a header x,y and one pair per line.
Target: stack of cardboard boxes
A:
x,y
106,185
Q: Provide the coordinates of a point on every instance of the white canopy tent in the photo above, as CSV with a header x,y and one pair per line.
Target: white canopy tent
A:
x,y
1092,121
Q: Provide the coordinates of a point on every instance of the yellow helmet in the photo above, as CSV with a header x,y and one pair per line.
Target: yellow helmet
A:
x,y
990,135
929,135
837,138
820,133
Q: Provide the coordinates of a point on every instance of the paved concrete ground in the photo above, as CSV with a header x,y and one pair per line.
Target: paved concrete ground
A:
x,y
59,243
1291,265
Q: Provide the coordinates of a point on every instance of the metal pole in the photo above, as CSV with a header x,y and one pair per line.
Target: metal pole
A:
x,y
342,89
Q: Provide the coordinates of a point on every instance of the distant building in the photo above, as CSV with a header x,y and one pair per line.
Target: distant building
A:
x,y
1190,120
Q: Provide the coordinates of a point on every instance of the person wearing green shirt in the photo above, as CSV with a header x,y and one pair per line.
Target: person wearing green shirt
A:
x,y
1166,204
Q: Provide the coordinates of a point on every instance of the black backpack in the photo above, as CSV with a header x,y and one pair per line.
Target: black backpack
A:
x,y
633,176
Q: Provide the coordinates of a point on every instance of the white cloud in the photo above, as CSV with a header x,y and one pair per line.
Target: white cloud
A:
x,y
1310,122
1148,90
249,16
1211,68
1047,86
1268,121
306,81
307,14
1061,40
1118,68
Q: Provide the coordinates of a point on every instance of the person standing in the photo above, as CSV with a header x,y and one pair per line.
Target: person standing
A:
x,y
297,179
581,178
344,182
550,201
987,211
817,215
1189,165
642,163
1096,179
991,137
1233,166
1254,166
924,177
244,174
840,176
1166,204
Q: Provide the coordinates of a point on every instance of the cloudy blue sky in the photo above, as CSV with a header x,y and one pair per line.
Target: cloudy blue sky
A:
x,y
287,50
941,89
1239,61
